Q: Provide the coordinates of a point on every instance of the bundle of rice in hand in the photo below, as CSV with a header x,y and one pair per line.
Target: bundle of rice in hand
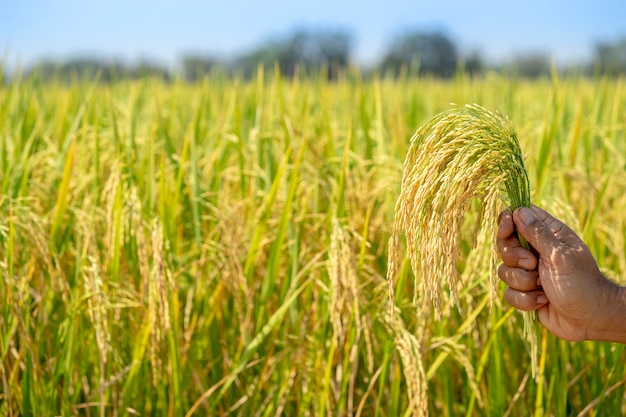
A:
x,y
463,156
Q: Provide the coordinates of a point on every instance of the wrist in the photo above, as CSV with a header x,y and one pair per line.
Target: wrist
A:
x,y
614,328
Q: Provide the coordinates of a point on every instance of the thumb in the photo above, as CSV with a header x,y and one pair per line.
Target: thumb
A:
x,y
535,231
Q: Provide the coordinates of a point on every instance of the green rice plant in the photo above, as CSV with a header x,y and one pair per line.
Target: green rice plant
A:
x,y
463,156
215,248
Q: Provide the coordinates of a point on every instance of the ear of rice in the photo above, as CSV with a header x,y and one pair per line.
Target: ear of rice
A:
x,y
409,349
460,157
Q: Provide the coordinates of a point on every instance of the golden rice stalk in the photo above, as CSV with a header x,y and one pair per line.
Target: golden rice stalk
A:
x,y
409,349
342,271
98,303
158,298
344,302
108,202
30,230
463,156
137,230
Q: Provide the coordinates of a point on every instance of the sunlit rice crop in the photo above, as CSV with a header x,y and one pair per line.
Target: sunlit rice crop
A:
x,y
215,248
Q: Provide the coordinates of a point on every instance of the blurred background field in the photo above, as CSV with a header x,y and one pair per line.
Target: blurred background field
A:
x,y
220,248
206,233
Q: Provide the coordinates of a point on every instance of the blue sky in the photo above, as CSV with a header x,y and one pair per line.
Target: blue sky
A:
x,y
162,31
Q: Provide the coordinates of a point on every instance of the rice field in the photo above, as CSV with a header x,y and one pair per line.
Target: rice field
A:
x,y
221,249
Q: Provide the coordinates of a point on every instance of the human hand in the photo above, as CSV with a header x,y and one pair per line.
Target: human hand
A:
x,y
560,278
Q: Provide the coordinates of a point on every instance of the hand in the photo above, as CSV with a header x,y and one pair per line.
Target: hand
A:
x,y
560,278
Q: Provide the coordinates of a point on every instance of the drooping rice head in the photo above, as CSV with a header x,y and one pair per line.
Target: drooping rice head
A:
x,y
461,156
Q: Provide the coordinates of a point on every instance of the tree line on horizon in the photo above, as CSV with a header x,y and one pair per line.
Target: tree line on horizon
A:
x,y
416,53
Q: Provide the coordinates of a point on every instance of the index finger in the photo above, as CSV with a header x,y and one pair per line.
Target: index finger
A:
x,y
506,226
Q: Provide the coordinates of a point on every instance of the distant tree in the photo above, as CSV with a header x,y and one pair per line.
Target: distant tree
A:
x,y
48,70
89,68
532,65
195,67
150,69
307,49
474,64
332,51
610,58
265,55
433,53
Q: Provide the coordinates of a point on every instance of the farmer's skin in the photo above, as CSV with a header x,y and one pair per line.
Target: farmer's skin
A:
x,y
560,278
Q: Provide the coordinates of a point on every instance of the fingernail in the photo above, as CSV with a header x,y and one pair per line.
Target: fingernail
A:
x,y
542,299
525,215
